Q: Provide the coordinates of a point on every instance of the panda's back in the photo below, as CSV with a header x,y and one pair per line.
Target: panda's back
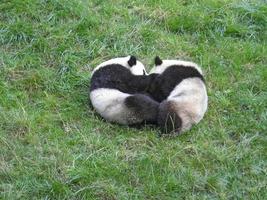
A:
x,y
113,76
116,76
170,79
190,96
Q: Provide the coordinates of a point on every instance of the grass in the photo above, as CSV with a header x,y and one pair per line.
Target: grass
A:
x,y
54,146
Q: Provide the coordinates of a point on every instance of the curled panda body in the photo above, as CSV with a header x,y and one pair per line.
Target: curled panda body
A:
x,y
181,89
116,92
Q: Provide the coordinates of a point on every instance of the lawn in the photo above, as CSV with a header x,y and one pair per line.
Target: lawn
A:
x,y
53,144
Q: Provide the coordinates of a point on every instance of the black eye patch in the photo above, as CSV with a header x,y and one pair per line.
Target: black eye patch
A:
x,y
144,72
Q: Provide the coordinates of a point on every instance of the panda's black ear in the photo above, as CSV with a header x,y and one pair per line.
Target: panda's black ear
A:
x,y
132,61
158,61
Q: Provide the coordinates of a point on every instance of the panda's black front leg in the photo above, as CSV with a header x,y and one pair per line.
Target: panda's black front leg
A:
x,y
143,107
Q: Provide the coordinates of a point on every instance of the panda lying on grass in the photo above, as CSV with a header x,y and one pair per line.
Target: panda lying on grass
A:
x,y
116,92
173,95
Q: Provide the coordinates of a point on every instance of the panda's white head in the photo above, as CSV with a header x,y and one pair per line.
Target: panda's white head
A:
x,y
130,62
161,65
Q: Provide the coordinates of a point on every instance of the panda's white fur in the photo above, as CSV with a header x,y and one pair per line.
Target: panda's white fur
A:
x,y
137,69
188,100
117,106
109,103
159,69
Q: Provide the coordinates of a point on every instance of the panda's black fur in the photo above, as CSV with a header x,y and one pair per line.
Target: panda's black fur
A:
x,y
115,76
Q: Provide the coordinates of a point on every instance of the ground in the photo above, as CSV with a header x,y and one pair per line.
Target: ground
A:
x,y
53,144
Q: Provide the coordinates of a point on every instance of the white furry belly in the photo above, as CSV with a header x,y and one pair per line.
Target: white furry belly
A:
x,y
109,103
190,100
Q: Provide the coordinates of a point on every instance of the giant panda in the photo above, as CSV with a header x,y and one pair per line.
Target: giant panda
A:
x,y
117,92
180,87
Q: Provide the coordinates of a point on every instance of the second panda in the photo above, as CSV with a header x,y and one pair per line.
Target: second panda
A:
x,y
180,87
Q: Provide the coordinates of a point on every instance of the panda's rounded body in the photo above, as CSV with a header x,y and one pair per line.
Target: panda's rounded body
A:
x,y
180,87
116,92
